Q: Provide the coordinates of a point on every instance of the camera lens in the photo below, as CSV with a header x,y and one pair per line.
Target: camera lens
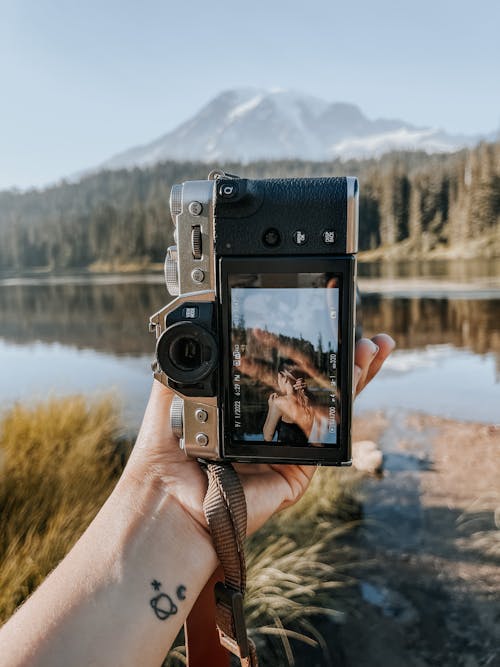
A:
x,y
271,238
186,352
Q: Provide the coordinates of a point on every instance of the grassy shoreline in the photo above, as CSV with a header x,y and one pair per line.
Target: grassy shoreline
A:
x,y
59,461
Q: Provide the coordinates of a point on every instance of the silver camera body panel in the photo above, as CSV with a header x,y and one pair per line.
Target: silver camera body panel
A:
x,y
191,206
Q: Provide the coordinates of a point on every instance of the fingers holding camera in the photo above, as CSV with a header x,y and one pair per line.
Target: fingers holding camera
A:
x,y
271,488
369,357
300,385
155,436
386,345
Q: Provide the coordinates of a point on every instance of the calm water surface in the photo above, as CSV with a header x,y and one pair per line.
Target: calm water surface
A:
x,y
77,334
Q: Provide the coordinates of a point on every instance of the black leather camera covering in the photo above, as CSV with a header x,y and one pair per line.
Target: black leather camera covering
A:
x,y
289,205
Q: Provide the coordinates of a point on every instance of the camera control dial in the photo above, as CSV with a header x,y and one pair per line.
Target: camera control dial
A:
x,y
196,241
175,202
176,416
171,271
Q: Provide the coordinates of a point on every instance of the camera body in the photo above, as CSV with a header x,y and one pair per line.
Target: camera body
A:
x,y
258,344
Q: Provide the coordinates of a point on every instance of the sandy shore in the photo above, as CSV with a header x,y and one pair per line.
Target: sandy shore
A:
x,y
427,555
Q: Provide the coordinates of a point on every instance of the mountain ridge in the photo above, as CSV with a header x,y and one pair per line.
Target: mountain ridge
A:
x,y
251,124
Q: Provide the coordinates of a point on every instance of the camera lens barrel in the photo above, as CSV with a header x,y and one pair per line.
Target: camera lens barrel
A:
x,y
186,352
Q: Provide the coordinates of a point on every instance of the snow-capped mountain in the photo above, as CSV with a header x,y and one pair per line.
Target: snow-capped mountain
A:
x,y
249,124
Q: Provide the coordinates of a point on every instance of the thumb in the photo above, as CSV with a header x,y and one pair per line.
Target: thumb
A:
x,y
155,435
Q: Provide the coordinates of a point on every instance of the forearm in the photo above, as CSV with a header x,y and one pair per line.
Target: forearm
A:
x,y
266,432
270,424
96,607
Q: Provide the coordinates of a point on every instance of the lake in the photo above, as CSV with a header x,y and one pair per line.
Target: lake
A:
x,y
89,334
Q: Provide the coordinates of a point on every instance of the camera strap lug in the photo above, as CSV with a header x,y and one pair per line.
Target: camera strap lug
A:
x,y
220,603
219,173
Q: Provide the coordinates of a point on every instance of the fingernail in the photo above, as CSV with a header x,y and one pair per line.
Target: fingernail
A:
x,y
357,374
375,349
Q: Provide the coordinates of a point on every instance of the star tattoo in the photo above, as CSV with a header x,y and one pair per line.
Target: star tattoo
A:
x,y
156,584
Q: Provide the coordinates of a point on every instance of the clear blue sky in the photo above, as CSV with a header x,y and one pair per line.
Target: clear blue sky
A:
x,y
80,81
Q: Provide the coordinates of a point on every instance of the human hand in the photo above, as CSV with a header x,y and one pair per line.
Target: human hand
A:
x,y
300,384
158,460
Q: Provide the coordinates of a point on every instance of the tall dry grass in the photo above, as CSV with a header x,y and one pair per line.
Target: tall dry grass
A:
x,y
296,573
59,461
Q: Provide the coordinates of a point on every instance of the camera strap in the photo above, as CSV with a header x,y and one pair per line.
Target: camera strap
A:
x,y
216,623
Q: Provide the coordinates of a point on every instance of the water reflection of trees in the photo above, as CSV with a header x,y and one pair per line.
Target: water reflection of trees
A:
x,y
417,322
108,318
113,318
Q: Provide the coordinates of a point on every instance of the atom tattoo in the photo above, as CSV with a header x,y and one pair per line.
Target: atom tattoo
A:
x,y
162,604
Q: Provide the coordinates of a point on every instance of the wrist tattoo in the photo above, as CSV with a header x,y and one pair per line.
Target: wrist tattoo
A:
x,y
162,604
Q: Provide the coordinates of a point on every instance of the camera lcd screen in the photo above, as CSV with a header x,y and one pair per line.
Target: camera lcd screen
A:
x,y
284,333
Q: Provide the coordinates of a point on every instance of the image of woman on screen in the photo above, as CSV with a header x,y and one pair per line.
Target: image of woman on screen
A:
x,y
289,414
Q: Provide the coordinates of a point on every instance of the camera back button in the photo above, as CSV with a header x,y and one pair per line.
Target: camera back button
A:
x,y
201,415
201,439
300,237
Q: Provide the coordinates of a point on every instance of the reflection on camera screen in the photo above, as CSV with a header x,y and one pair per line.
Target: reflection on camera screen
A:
x,y
284,342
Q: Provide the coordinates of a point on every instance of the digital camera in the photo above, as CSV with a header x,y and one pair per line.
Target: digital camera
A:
x,y
258,343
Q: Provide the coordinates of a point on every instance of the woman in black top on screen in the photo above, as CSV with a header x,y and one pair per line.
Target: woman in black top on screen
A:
x,y
289,412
